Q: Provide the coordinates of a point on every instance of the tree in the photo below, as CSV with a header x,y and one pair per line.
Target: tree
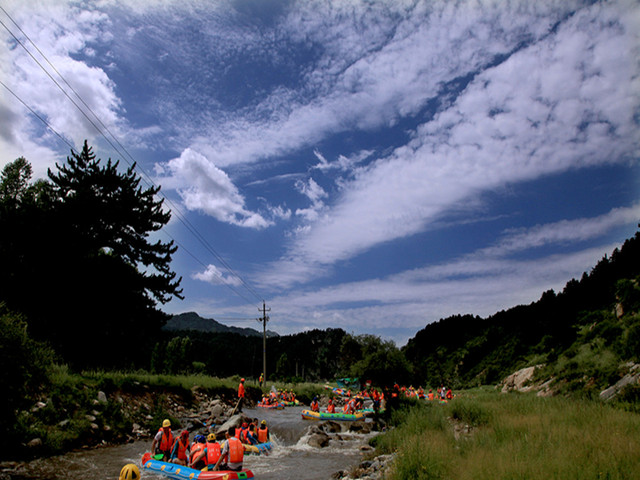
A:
x,y
88,262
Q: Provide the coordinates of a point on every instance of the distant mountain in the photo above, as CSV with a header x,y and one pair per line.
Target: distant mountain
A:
x,y
193,321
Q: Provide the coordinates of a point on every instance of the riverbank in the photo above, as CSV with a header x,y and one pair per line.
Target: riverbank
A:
x,y
484,434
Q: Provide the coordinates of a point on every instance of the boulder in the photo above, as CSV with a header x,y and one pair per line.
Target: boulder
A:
x,y
35,443
232,422
519,380
318,440
631,378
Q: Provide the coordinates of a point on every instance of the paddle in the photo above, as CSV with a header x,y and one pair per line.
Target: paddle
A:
x,y
234,409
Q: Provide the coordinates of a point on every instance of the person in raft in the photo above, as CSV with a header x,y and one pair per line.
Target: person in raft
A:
x,y
208,455
181,449
198,458
314,405
263,433
232,454
331,408
163,441
241,393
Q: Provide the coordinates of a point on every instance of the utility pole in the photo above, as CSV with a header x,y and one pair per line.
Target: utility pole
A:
x,y
264,321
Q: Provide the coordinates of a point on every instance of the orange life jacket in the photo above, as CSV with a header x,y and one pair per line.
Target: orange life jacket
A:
x,y
213,452
315,407
182,449
331,408
236,450
241,391
430,396
196,449
166,442
263,435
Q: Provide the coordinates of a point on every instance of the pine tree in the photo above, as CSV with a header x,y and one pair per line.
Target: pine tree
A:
x,y
86,275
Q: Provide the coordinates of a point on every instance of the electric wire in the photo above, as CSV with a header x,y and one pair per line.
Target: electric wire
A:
x,y
182,218
188,225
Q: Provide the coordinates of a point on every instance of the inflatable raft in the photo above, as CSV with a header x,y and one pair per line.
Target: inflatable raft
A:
x,y
260,448
178,472
276,406
348,417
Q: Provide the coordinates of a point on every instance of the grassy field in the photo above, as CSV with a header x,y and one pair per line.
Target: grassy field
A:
x,y
514,436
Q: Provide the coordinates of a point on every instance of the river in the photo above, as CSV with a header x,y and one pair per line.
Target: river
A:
x,y
291,457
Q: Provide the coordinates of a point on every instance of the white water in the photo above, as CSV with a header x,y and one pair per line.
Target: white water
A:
x,y
291,457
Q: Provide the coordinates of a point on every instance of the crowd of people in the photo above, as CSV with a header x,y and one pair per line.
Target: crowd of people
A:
x,y
278,396
207,452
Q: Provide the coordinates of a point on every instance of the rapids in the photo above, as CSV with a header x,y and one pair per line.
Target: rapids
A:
x,y
291,457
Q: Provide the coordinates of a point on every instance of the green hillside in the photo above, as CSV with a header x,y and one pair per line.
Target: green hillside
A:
x,y
584,336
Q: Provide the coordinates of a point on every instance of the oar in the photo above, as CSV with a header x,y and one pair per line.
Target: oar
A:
x,y
234,409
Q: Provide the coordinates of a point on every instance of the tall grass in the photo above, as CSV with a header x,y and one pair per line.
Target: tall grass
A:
x,y
517,437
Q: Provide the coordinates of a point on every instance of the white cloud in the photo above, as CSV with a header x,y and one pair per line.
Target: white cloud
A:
x,y
526,117
343,163
214,276
204,187
313,192
566,231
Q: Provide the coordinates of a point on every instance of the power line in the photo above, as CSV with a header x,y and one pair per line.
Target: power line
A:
x,y
36,114
188,225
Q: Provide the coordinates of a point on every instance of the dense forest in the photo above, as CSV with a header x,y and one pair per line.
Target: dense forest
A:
x,y
592,319
81,285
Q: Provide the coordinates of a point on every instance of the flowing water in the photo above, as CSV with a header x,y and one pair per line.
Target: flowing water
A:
x,y
291,457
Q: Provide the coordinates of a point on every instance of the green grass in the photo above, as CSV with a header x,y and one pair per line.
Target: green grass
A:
x,y
516,437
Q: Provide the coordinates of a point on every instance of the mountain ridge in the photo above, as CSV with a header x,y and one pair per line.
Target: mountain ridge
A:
x,y
193,321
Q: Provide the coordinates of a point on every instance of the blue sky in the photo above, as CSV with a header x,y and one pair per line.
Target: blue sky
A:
x,y
373,166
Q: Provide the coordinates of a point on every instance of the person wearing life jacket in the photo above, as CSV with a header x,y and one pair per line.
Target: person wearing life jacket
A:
x,y
261,379
198,459
350,406
430,395
449,394
232,453
163,441
212,450
315,407
263,432
241,433
181,449
241,394
252,435
331,408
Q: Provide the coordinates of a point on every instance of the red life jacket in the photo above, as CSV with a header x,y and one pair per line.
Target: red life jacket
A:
x,y
241,391
166,442
236,450
331,408
243,435
263,435
213,453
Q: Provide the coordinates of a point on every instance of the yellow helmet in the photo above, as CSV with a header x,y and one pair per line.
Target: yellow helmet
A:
x,y
211,437
166,423
129,472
